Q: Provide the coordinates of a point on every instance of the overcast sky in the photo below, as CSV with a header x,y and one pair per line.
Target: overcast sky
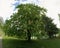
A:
x,y
52,6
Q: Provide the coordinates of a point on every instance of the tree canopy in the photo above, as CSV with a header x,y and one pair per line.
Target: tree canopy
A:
x,y
28,21
25,22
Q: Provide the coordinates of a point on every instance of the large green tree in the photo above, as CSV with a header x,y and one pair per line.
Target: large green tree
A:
x,y
25,22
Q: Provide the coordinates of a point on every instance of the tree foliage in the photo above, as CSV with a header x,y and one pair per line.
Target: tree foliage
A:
x,y
48,26
25,22
59,16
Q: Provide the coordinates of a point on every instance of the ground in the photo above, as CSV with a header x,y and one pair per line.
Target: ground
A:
x,y
17,43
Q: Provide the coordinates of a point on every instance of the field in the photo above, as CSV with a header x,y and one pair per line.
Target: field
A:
x,y
10,42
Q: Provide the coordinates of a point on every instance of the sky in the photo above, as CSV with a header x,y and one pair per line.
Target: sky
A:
x,y
7,8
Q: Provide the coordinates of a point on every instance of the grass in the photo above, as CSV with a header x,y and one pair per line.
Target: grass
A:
x,y
16,43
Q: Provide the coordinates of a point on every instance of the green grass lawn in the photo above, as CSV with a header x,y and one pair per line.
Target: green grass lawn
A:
x,y
16,43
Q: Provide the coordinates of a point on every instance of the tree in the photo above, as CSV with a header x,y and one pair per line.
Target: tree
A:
x,y
48,26
59,16
25,22
1,22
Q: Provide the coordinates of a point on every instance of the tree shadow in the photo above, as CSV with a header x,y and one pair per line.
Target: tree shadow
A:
x,y
16,43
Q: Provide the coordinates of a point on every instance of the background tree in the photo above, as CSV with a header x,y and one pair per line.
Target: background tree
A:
x,y
59,22
1,22
1,26
25,22
48,26
59,16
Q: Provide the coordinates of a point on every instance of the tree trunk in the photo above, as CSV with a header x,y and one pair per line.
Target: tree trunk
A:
x,y
50,37
29,35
